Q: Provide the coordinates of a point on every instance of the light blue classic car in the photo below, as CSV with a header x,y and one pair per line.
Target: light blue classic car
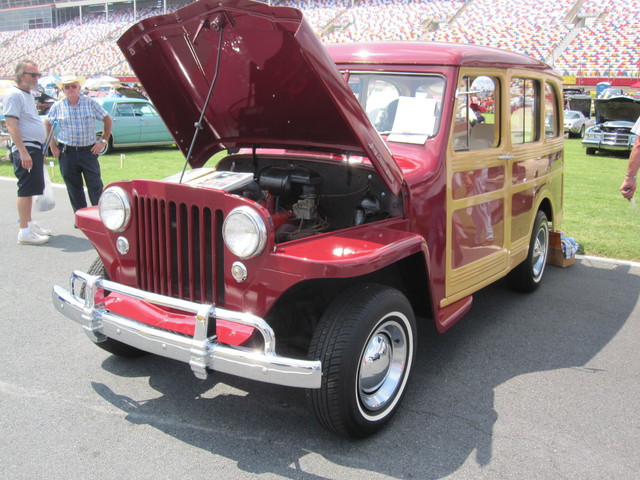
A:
x,y
136,123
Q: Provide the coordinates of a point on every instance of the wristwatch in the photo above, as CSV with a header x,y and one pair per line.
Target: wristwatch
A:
x,y
102,140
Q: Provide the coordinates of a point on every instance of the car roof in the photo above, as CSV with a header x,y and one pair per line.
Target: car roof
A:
x,y
432,53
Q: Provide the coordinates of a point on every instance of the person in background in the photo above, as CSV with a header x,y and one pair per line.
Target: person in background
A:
x,y
74,141
629,184
478,110
27,136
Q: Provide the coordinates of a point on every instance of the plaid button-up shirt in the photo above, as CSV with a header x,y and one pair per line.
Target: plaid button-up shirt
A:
x,y
76,122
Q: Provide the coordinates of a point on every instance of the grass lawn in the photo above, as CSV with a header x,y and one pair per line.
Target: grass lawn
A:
x,y
595,214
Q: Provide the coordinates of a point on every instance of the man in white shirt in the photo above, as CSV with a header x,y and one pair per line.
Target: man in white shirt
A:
x,y
27,137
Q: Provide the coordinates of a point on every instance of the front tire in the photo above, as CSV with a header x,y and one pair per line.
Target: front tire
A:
x,y
366,341
110,345
591,151
527,276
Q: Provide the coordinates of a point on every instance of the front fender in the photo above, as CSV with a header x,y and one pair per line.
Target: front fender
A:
x,y
349,253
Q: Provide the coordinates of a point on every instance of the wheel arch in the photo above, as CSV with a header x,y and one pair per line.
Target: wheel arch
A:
x,y
547,207
110,141
296,313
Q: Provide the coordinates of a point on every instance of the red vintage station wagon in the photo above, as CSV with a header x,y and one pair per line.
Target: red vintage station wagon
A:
x,y
361,191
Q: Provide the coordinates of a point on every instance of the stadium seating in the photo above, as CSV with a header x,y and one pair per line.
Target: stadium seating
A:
x,y
578,37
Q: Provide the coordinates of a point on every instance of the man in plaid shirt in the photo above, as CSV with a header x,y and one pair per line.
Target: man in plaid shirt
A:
x,y
75,144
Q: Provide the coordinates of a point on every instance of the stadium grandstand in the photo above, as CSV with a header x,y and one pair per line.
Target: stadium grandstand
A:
x,y
587,41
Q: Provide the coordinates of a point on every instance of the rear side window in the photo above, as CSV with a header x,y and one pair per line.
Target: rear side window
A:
x,y
551,119
476,121
525,95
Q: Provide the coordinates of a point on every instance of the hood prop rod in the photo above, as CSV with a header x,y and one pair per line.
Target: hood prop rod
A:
x,y
198,125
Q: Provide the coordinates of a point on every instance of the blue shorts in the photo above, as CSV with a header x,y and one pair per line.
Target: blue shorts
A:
x,y
30,183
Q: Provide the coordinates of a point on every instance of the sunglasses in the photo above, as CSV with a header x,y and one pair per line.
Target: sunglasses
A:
x,y
33,75
73,86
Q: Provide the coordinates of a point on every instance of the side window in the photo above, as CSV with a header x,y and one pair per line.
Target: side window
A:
x,y
550,112
476,120
144,110
149,111
137,110
525,97
124,110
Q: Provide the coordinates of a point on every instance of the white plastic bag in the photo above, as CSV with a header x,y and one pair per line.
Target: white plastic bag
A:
x,y
46,201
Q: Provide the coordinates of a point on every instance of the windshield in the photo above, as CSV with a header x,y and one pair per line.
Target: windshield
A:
x,y
570,114
405,107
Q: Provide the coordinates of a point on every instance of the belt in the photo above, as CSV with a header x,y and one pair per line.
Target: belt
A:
x,y
64,147
27,143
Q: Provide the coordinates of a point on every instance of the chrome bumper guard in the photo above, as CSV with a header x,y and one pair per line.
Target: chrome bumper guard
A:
x,y
201,352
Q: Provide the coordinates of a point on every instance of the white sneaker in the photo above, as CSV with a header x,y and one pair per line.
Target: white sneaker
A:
x,y
37,229
31,238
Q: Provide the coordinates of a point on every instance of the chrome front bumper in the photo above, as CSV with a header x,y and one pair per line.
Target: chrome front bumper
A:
x,y
608,142
201,352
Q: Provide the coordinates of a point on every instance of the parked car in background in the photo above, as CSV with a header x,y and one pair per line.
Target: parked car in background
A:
x,y
575,123
136,123
614,119
610,92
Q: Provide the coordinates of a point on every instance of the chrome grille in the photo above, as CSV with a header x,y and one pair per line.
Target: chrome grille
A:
x,y
615,139
179,249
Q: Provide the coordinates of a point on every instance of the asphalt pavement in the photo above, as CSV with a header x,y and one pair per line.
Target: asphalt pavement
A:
x,y
526,386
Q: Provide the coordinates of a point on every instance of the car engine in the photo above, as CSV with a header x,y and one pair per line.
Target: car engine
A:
x,y
305,200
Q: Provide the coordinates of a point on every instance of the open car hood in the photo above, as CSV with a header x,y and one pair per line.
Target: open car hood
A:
x,y
275,85
581,103
616,108
130,93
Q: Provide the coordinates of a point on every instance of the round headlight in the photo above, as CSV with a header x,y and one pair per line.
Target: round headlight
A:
x,y
244,232
115,209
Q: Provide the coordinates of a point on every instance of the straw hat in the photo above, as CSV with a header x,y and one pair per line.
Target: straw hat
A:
x,y
68,78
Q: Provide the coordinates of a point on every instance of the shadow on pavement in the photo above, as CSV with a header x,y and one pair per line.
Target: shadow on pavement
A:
x,y
448,413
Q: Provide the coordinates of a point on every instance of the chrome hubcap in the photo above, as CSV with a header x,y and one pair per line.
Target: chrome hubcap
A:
x,y
382,365
540,252
375,364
